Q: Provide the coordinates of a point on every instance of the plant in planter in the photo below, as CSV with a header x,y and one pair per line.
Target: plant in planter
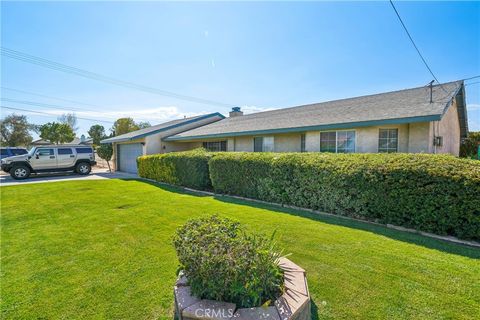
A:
x,y
223,262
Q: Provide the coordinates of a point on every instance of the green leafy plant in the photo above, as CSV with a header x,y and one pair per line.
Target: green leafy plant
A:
x,y
188,169
57,132
433,193
224,262
105,151
469,147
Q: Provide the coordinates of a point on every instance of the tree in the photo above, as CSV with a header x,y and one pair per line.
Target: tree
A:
x,y
126,125
97,133
15,131
143,125
468,149
57,132
70,119
105,151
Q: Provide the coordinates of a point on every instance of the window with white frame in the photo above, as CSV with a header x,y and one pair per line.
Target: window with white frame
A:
x,y
263,144
388,140
337,141
215,146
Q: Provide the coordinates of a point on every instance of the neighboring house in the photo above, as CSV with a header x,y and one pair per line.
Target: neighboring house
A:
x,y
127,147
76,141
425,119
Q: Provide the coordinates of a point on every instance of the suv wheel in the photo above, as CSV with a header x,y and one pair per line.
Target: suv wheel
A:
x,y
83,168
20,172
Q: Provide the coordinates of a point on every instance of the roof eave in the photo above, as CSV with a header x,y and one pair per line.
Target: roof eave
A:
x,y
119,139
346,125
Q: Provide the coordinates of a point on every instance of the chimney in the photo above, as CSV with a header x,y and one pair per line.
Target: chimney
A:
x,y
235,112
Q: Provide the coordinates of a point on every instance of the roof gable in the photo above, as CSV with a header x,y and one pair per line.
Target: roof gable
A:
x,y
159,128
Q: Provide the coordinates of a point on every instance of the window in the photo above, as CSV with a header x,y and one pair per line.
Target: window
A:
x,y
263,144
65,151
84,150
388,140
337,141
328,141
4,152
19,152
215,146
45,152
302,142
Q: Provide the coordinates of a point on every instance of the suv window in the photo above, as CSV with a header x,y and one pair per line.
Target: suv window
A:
x,y
19,152
84,150
65,151
45,152
4,152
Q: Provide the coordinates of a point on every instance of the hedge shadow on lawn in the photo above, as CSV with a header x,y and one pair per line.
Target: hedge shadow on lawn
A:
x,y
417,239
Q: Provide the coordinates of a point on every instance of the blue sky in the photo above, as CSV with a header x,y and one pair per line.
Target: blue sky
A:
x,y
254,55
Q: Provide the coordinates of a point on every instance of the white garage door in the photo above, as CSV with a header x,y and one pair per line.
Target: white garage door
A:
x,y
127,155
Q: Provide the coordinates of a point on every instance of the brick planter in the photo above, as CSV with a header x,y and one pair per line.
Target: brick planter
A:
x,y
294,304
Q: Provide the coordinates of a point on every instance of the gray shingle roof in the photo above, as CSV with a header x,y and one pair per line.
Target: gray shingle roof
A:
x,y
409,105
158,128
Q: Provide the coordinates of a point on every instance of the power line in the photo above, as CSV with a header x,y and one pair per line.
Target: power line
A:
x,y
466,79
468,84
51,97
416,48
52,114
46,105
99,77
53,106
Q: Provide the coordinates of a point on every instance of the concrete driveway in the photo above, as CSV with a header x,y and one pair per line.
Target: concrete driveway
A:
x,y
96,174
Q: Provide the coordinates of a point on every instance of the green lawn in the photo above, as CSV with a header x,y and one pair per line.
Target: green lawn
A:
x,y
102,249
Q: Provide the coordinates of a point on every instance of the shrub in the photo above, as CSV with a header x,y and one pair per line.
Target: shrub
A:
x,y
188,169
433,193
223,262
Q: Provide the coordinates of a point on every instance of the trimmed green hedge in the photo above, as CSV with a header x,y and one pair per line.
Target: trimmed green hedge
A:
x,y
433,193
188,169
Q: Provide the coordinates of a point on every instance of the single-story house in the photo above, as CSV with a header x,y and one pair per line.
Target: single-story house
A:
x,y
430,119
129,146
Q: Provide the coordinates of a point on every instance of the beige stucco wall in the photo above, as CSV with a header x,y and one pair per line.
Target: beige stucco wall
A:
x,y
243,144
287,142
449,129
419,138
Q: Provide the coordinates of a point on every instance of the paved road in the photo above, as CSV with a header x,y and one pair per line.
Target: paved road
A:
x,y
97,174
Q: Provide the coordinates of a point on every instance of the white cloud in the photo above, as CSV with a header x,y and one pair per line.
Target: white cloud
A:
x,y
254,109
473,107
152,115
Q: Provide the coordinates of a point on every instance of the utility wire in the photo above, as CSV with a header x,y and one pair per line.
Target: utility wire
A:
x,y
52,114
416,48
53,106
468,84
51,97
471,78
46,105
99,77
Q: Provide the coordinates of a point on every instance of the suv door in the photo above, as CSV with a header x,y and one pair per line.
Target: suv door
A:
x,y
44,158
65,157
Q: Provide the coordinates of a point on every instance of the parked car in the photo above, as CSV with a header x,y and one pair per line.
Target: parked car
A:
x,y
54,158
11,151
